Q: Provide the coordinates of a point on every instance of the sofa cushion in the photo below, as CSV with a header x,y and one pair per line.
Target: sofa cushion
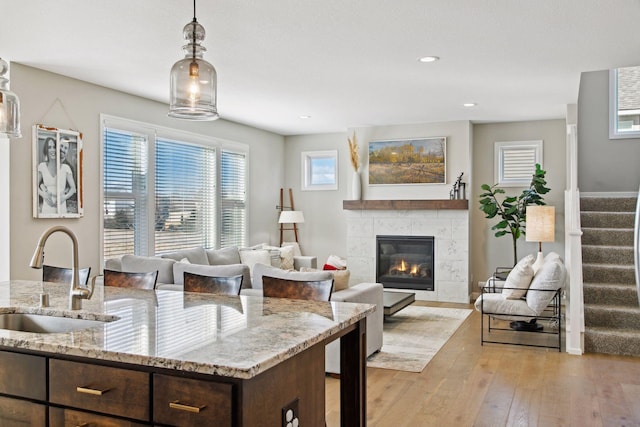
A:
x,y
194,255
145,264
261,269
340,277
519,279
252,257
550,278
213,271
223,256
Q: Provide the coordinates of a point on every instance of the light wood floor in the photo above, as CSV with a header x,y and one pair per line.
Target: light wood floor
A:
x,y
467,384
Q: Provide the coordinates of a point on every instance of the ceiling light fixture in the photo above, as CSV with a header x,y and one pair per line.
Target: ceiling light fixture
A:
x,y
469,104
193,80
9,106
304,116
429,59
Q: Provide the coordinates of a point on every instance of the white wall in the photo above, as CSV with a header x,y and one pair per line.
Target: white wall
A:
x,y
82,104
324,230
488,251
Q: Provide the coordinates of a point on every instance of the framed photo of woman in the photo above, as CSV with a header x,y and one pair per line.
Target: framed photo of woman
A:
x,y
57,173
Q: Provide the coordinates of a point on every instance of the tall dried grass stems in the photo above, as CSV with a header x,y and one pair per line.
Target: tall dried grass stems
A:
x,y
353,152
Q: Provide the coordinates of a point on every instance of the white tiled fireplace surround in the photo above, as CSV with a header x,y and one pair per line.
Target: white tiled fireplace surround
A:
x,y
450,229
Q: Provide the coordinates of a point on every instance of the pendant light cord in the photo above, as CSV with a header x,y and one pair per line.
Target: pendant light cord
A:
x,y
194,31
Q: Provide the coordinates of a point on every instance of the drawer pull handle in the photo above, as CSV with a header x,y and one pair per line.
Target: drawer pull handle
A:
x,y
177,405
93,391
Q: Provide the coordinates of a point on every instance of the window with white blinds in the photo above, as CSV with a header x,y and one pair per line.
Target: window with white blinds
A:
x,y
185,208
233,199
164,193
515,162
125,193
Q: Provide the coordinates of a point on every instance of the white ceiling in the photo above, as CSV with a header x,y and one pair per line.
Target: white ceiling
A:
x,y
345,63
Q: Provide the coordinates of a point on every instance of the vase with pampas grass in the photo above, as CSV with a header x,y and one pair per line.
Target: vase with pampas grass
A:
x,y
356,184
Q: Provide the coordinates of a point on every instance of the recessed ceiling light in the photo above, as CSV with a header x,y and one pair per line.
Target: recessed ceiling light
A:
x,y
469,104
305,117
429,59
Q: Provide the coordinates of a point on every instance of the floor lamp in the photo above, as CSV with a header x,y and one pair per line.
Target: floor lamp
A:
x,y
540,227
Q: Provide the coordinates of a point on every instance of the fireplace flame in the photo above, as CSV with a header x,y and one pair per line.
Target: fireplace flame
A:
x,y
403,267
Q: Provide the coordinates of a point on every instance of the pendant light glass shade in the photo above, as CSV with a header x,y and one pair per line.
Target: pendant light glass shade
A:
x,y
9,106
193,80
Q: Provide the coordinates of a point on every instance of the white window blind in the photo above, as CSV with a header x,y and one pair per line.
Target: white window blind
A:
x,y
125,193
185,183
233,200
515,162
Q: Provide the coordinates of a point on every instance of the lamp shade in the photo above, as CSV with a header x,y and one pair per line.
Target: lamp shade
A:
x,y
291,217
541,223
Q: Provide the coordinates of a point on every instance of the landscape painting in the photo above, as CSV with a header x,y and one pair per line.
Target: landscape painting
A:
x,y
408,161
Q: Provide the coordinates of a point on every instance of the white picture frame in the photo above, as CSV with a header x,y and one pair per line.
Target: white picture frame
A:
x,y
319,170
57,173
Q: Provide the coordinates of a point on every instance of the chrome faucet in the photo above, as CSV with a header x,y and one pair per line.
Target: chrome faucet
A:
x,y
76,293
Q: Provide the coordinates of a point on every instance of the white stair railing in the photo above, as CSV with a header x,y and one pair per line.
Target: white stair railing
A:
x,y
573,249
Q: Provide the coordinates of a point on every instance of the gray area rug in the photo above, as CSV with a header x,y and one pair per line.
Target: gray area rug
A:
x,y
414,335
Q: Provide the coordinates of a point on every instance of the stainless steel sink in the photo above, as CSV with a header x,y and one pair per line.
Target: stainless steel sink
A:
x,y
43,324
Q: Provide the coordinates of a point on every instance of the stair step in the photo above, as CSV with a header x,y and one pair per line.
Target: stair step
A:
x,y
607,236
607,219
608,273
608,204
615,317
609,341
600,254
610,294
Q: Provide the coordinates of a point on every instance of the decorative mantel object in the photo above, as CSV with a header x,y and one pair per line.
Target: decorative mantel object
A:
x,y
459,189
408,161
356,184
9,106
57,173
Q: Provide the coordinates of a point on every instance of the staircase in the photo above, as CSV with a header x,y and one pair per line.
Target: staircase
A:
x,y
611,310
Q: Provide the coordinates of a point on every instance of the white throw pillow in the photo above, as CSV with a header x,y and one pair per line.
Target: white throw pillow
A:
x,y
296,247
550,278
340,277
286,257
519,279
251,257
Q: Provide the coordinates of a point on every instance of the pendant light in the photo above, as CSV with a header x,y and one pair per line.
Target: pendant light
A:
x,y
9,106
193,80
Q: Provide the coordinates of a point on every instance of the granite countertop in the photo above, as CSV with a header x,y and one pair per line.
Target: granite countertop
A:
x,y
234,336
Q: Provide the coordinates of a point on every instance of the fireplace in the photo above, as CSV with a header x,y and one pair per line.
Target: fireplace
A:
x,y
405,262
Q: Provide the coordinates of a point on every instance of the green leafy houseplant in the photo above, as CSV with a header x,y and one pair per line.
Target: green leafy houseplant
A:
x,y
512,210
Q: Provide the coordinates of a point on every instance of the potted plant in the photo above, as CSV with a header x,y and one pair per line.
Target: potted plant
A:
x,y
512,210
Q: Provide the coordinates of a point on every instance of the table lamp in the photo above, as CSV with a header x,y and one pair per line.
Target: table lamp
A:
x,y
540,227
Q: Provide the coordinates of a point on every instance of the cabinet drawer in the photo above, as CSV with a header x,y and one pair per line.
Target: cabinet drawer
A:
x,y
23,375
188,402
15,412
103,389
60,417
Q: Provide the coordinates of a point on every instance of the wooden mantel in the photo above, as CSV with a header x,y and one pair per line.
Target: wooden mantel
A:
x,y
456,204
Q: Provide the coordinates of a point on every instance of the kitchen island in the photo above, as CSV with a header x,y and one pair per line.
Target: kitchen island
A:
x,y
166,357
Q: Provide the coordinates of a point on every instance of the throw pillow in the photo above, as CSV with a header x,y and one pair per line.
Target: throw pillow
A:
x,y
340,277
251,257
337,262
223,256
286,257
144,264
551,277
518,280
296,247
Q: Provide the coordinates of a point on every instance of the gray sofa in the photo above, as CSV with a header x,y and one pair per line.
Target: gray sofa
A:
x,y
227,262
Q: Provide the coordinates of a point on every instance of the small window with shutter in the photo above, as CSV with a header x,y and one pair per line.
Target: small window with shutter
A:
x,y
515,162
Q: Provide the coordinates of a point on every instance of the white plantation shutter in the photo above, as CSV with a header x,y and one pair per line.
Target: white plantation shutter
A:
x,y
515,162
173,192
233,199
185,193
125,193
